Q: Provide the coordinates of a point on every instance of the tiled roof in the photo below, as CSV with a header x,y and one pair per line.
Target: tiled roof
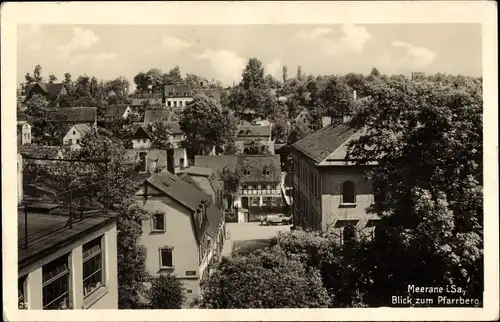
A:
x,y
39,151
178,189
196,170
83,128
115,111
151,116
253,131
186,177
51,89
256,164
214,217
150,101
160,156
72,114
174,127
177,90
142,132
320,144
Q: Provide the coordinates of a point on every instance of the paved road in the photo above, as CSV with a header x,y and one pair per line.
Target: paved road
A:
x,y
249,231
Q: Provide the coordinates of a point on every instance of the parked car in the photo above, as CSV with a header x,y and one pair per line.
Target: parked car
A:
x,y
278,219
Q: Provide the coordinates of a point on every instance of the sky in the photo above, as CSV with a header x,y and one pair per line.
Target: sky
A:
x,y
221,51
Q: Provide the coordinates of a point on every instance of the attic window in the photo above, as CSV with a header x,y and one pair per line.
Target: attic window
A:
x,y
247,172
266,172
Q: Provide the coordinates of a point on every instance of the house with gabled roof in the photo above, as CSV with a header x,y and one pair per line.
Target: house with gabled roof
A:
x,y
185,233
259,189
257,133
23,133
330,191
117,111
177,96
51,91
75,135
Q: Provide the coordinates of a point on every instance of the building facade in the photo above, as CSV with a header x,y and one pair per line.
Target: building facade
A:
x,y
63,266
177,96
75,135
260,134
259,189
185,233
330,192
23,133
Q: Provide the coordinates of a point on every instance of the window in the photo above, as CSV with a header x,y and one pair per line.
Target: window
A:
x,y
254,201
348,193
349,234
169,103
77,141
266,172
56,284
74,132
181,163
158,222
247,172
166,257
142,162
92,266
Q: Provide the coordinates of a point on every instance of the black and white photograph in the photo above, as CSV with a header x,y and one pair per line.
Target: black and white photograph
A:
x,y
177,164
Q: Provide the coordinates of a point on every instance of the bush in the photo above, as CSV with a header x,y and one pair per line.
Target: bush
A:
x,y
166,292
231,216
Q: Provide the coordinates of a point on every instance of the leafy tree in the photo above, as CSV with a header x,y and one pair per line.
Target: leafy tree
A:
x,y
173,77
161,135
253,74
52,78
284,74
427,139
166,292
300,73
195,81
206,126
298,131
271,82
37,73
255,147
263,279
230,148
375,72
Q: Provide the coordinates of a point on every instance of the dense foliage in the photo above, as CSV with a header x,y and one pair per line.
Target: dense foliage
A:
x,y
166,292
264,279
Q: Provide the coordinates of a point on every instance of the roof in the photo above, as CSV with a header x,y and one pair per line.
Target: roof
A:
x,y
51,89
22,123
214,217
150,101
72,114
255,164
177,90
322,143
174,127
168,115
214,93
82,128
47,230
115,111
39,151
178,189
142,132
186,177
158,155
197,170
253,131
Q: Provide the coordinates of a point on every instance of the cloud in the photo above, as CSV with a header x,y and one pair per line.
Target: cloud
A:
x,y
172,44
353,39
82,39
314,34
226,64
275,68
31,36
414,56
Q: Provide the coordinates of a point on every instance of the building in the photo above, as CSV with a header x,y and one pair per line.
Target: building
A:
x,y
63,265
214,93
256,133
75,135
139,102
160,115
206,179
23,133
177,96
51,91
185,233
259,188
329,191
116,112
143,136
304,117
150,161
73,115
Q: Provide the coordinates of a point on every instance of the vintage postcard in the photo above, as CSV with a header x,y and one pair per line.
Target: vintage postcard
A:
x,y
241,161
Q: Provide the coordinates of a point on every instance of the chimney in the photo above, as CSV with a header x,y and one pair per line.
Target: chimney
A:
x,y
170,161
354,95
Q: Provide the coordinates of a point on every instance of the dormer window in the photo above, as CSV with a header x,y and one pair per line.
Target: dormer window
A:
x,y
247,172
266,172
